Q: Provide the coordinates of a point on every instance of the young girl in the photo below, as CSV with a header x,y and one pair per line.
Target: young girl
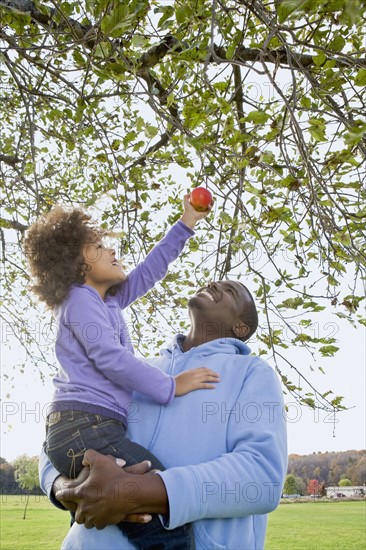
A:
x,y
87,287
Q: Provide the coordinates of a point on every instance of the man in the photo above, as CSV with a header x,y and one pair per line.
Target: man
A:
x,y
225,453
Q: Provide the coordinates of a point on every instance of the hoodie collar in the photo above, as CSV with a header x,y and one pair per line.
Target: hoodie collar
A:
x,y
221,345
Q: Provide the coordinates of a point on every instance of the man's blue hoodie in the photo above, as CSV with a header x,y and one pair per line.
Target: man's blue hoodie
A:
x,y
225,449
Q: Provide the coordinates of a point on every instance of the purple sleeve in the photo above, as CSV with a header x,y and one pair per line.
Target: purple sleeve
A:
x,y
155,266
91,329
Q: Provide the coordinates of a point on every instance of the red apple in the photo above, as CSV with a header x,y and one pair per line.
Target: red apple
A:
x,y
200,198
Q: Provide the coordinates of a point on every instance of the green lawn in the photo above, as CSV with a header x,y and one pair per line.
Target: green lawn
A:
x,y
43,528
317,525
296,526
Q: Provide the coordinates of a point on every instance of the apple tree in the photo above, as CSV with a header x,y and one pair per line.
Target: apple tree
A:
x,y
120,106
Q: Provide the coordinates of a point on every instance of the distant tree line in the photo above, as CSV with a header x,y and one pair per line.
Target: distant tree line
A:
x,y
334,468
305,472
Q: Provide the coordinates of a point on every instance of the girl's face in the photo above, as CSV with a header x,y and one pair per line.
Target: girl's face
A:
x,y
103,269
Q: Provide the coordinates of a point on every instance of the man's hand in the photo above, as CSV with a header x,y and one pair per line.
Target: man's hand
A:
x,y
195,379
190,215
140,468
63,482
109,494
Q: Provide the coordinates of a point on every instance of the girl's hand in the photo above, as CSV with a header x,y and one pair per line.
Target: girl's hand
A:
x,y
195,379
191,216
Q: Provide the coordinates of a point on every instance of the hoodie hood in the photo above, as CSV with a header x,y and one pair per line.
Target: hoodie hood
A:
x,y
221,345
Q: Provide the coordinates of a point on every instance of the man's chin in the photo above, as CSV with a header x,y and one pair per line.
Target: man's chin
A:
x,y
195,302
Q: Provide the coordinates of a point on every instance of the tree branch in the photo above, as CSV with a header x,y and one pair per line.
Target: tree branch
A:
x,y
12,224
46,18
164,140
169,43
9,160
279,57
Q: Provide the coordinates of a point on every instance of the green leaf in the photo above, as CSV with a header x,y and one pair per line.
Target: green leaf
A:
x,y
258,117
308,401
305,102
303,337
292,303
287,8
183,13
79,58
102,50
122,18
66,8
336,402
317,129
338,43
168,12
268,157
328,351
116,143
319,59
150,131
360,78
356,133
342,237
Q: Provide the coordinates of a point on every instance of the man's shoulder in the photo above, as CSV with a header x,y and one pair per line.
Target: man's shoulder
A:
x,y
254,367
258,364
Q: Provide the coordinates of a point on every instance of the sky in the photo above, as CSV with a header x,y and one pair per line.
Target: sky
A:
x,y
24,405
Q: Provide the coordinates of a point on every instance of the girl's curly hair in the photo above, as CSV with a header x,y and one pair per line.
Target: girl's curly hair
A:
x,y
54,249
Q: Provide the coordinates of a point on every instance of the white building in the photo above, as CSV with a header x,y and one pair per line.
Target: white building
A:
x,y
335,491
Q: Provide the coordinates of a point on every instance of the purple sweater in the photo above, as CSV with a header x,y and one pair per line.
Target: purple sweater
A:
x,y
98,369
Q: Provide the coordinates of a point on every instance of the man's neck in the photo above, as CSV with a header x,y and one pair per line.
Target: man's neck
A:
x,y
191,341
203,331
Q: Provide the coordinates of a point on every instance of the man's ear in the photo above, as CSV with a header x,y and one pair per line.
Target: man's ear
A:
x,y
240,329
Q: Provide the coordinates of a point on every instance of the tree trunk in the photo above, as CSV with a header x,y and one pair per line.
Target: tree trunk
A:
x,y
26,506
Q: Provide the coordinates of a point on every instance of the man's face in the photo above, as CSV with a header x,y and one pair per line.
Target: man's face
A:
x,y
221,302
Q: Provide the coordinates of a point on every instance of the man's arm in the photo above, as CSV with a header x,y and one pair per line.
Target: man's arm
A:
x,y
48,476
110,494
52,482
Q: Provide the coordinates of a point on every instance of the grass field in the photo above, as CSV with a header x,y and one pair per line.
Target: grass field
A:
x,y
296,526
317,525
43,528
